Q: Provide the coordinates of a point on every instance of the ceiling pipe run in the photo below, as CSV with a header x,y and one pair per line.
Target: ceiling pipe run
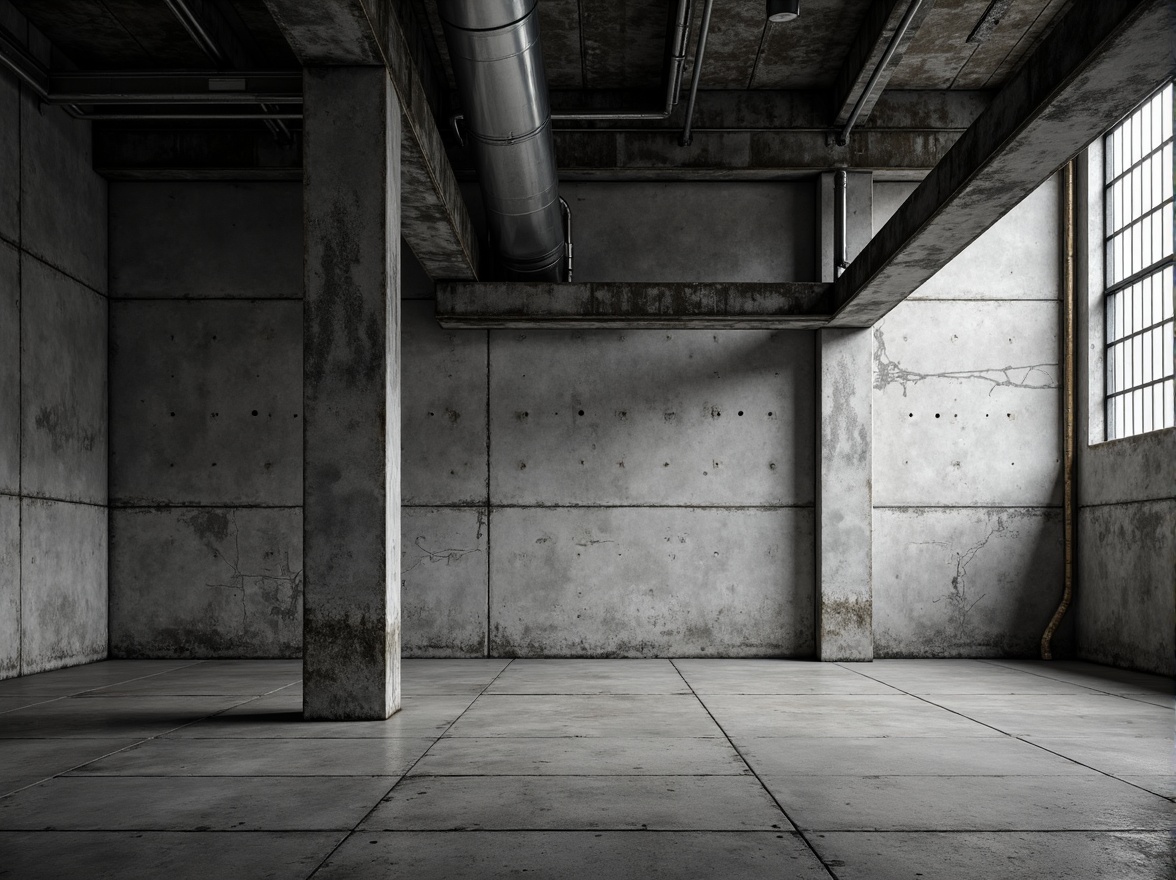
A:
x,y
498,65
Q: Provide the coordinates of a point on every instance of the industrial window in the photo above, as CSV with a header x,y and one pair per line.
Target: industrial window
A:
x,y
1140,335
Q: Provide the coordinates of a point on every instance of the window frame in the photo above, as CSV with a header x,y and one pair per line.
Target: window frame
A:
x,y
1129,303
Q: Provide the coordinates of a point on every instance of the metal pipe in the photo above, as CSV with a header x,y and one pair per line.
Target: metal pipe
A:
x,y
1068,395
843,137
697,75
195,28
677,66
841,210
567,212
498,64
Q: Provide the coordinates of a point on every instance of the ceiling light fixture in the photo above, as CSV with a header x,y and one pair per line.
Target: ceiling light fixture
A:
x,y
783,10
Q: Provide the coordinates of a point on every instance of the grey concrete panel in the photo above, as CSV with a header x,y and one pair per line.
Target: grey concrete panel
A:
x,y
1099,716
9,586
991,803
777,677
137,855
444,445
712,231
651,417
585,715
1126,594
1052,855
967,409
63,202
1018,257
589,677
436,677
206,403
965,582
205,239
443,581
620,803
641,582
844,522
29,761
186,803
63,584
9,157
888,196
580,756
9,368
565,855
351,388
63,386
1141,468
206,582
415,282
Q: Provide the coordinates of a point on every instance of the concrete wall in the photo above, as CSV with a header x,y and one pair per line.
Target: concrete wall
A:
x,y
967,446
1125,591
206,398
53,379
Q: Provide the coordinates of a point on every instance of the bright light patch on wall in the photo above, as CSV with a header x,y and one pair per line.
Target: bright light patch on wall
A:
x,y
1140,330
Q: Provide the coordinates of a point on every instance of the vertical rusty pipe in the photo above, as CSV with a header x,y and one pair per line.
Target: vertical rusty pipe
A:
x,y
1068,377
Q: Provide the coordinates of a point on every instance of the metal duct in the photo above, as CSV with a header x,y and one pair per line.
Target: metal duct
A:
x,y
498,64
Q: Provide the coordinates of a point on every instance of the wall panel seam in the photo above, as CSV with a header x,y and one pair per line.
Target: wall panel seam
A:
x,y
45,262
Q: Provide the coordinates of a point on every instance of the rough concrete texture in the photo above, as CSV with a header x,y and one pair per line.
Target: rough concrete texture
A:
x,y
651,231
10,616
351,389
206,582
967,407
208,239
9,157
844,524
1129,470
63,386
206,403
651,417
1126,593
443,570
644,582
965,582
443,416
63,202
1013,259
9,369
63,584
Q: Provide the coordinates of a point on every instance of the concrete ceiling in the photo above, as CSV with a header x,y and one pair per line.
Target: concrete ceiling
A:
x,y
612,44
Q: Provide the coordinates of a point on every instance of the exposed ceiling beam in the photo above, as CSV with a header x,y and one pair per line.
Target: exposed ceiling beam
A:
x,y
866,53
1097,64
637,305
434,219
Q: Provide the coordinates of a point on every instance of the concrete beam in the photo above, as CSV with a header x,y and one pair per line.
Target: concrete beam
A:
x,y
684,305
435,220
1094,67
865,54
351,394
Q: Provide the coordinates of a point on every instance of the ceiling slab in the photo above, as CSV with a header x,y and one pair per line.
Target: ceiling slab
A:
x,y
807,53
624,42
1096,65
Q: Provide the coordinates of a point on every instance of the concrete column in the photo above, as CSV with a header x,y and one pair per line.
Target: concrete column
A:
x,y
845,616
351,387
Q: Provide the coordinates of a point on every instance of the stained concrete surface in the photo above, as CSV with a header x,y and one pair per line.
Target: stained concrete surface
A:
x,y
579,763
206,240
63,584
649,231
651,581
1127,572
206,403
10,616
9,368
966,581
63,351
206,582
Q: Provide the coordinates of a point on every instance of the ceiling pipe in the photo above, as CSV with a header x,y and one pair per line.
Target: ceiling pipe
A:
x,y
498,64
900,32
697,75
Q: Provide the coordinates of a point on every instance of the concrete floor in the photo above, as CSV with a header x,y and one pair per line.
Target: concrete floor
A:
x,y
599,768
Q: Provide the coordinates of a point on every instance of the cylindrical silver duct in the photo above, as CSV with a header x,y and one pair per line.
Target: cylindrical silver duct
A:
x,y
494,48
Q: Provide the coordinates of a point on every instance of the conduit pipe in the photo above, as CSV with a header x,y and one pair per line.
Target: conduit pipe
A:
x,y
498,64
694,80
883,62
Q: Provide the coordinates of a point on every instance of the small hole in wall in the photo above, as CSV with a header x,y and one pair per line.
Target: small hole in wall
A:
x,y
740,412
581,412
255,412
173,415
937,415
769,415
214,464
